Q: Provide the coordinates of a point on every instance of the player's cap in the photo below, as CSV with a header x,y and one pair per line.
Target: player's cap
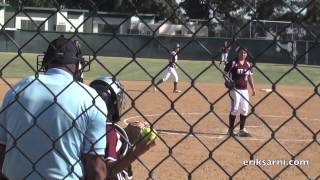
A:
x,y
61,51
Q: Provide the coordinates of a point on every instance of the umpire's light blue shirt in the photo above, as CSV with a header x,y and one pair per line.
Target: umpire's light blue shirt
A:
x,y
45,136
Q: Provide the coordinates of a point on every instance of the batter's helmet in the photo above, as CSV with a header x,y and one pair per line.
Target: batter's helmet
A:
x,y
112,92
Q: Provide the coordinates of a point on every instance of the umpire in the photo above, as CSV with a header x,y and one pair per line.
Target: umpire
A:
x,y
51,125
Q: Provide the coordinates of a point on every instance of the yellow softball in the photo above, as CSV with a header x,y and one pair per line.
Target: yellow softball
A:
x,y
149,134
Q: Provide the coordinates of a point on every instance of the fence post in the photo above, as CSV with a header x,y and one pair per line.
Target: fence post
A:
x,y
307,53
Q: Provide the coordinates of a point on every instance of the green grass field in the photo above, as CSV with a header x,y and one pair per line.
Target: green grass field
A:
x,y
13,66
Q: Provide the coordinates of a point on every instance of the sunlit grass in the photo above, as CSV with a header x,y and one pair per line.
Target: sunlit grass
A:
x,y
13,66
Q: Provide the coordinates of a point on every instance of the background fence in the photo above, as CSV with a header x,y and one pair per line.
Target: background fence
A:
x,y
201,48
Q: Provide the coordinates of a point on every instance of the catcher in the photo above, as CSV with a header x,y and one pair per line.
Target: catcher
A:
x,y
119,151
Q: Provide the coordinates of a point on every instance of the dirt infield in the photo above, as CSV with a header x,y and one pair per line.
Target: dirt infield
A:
x,y
191,154
180,154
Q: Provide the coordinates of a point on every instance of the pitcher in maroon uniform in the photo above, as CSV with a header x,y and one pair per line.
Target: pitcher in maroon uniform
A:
x,y
239,71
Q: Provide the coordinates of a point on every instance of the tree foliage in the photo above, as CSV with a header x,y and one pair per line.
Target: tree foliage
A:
x,y
230,10
195,9
164,9
313,13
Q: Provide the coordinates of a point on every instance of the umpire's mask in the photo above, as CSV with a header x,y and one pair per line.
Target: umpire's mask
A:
x,y
112,92
61,52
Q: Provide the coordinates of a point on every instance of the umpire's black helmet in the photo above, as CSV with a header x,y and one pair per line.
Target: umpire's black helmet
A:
x,y
61,51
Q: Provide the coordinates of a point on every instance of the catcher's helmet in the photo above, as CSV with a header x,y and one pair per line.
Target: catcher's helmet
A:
x,y
112,92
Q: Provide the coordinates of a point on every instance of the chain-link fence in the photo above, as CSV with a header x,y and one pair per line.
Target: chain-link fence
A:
x,y
193,139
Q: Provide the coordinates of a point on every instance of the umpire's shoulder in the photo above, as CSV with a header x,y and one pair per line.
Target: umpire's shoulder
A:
x,y
23,84
90,91
89,95
17,88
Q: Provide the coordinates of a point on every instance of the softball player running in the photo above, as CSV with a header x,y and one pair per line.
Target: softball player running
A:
x,y
171,69
239,71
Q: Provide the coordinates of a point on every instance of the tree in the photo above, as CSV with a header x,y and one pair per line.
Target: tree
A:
x,y
195,9
313,13
44,3
230,10
164,9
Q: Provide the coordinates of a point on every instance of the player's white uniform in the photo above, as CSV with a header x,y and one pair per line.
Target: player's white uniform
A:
x,y
224,57
171,68
224,53
240,94
240,98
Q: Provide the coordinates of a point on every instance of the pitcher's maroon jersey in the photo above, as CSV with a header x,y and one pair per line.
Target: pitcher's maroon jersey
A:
x,y
239,73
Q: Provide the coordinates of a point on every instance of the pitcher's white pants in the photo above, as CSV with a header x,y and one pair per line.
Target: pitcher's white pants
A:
x,y
168,72
239,99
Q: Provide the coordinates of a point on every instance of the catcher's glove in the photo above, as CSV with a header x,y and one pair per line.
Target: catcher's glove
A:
x,y
229,84
133,130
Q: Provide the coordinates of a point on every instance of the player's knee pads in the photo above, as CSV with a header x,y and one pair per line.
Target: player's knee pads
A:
x,y
233,112
244,113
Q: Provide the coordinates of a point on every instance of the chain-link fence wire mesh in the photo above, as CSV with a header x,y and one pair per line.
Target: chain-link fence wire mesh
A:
x,y
251,28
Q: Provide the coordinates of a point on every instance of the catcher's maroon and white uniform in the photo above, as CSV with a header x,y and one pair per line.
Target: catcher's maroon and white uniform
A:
x,y
239,73
113,150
